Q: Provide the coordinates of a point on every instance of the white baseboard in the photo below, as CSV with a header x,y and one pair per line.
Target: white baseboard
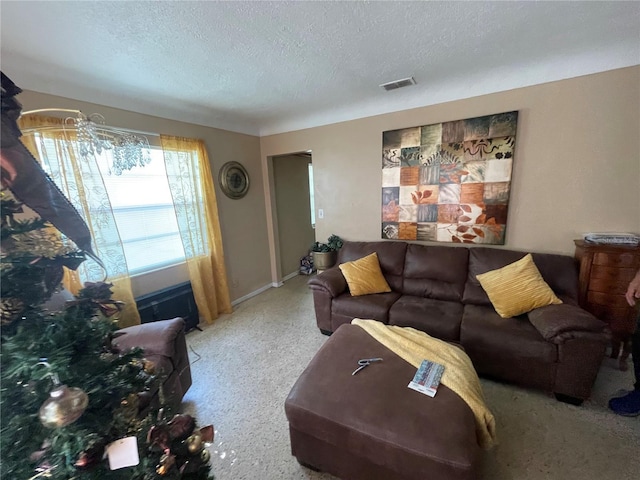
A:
x,y
290,276
252,294
262,289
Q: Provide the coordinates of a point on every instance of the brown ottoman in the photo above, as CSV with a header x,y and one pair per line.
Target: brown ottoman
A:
x,y
370,426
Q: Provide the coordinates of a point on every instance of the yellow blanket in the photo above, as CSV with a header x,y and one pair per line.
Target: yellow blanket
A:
x,y
459,375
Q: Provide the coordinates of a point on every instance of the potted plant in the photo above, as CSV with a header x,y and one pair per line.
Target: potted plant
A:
x,y
326,254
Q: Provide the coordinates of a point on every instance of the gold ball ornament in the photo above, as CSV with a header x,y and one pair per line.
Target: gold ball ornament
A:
x,y
195,443
205,455
63,407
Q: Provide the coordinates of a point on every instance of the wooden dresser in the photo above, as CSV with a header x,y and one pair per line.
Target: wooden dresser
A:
x,y
605,273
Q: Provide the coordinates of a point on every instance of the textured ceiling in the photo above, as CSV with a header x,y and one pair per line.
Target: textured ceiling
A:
x,y
269,67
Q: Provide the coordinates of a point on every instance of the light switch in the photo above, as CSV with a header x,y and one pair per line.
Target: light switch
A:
x,y
320,213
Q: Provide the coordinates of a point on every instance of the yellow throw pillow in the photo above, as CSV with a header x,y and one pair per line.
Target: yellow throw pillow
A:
x,y
364,276
517,288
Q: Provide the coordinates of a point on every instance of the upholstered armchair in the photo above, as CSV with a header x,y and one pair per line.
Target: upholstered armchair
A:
x,y
165,347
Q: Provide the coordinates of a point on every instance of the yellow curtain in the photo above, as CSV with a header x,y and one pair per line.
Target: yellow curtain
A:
x,y
81,182
194,199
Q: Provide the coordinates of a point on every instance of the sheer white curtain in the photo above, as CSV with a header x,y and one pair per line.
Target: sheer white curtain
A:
x,y
194,200
81,181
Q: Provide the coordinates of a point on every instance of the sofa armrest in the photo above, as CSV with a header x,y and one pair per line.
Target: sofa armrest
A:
x,y
331,281
155,338
559,323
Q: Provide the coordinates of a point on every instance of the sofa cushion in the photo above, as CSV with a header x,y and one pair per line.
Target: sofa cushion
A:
x,y
364,276
435,272
508,348
390,255
559,271
375,306
438,318
516,335
517,288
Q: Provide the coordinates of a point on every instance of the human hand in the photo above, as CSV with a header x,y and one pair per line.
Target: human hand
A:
x,y
633,291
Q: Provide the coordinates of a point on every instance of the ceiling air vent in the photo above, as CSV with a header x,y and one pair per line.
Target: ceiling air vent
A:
x,y
405,82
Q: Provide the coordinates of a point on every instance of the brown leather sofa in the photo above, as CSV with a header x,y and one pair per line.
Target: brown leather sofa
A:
x,y
558,348
165,347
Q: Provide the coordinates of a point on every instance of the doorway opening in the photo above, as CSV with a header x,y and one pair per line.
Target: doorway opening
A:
x,y
294,211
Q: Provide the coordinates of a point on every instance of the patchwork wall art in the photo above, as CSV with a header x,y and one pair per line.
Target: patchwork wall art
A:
x,y
449,182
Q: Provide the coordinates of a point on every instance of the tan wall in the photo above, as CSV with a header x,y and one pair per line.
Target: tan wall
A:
x,y
577,169
243,222
291,180
576,164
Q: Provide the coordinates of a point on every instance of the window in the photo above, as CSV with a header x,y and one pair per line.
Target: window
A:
x,y
143,208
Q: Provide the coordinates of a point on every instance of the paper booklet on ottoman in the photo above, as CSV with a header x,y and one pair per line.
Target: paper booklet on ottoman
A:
x,y
370,426
427,378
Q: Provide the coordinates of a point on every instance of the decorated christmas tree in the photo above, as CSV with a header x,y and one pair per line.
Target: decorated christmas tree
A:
x,y
69,398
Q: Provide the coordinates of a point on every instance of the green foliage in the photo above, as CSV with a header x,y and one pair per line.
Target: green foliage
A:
x,y
334,243
76,344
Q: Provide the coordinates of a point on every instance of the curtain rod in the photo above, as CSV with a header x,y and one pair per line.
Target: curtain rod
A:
x,y
98,125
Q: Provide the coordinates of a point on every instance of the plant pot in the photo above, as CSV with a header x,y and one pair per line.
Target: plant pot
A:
x,y
324,260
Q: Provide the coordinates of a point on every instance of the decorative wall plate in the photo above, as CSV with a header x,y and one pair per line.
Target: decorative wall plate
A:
x,y
234,180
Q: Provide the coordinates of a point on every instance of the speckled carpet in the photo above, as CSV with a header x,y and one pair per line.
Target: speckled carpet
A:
x,y
244,365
